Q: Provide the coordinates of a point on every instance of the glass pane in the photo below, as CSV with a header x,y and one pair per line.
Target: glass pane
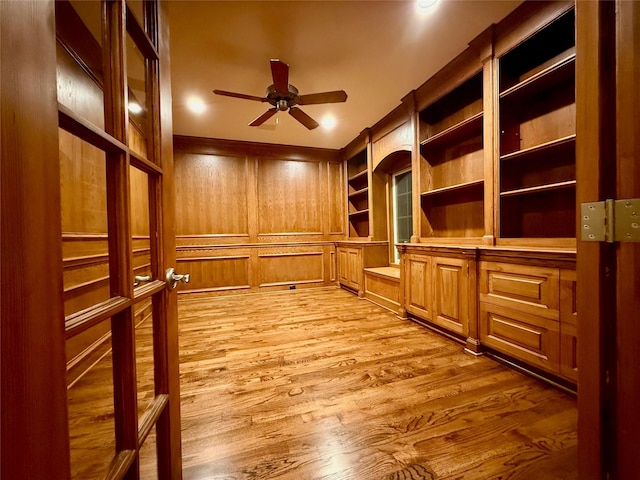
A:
x,y
79,59
91,418
85,249
140,227
144,355
137,8
148,458
139,112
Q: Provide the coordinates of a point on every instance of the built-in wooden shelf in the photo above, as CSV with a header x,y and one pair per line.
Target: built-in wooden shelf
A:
x,y
540,188
359,193
539,149
358,176
453,188
545,79
359,213
455,132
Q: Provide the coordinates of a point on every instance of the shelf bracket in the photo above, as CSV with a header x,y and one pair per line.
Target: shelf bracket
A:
x,y
610,221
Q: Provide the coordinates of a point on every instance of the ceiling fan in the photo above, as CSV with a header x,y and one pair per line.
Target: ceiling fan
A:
x,y
284,96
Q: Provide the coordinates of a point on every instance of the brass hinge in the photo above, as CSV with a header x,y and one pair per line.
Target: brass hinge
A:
x,y
610,221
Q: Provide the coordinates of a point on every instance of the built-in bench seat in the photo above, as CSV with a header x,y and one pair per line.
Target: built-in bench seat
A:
x,y
382,287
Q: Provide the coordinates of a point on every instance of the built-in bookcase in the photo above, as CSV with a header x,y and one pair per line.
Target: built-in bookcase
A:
x,y
358,195
452,173
537,177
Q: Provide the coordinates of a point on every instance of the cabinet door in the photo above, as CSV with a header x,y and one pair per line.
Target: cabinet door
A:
x,y
451,294
343,266
526,337
354,269
568,326
418,286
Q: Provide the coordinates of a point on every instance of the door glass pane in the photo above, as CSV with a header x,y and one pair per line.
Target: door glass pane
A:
x,y
144,355
139,111
402,209
79,59
85,240
91,415
140,227
137,8
148,458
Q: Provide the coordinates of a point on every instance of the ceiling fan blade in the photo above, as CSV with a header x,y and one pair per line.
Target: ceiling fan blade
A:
x,y
240,95
303,118
264,117
280,74
325,97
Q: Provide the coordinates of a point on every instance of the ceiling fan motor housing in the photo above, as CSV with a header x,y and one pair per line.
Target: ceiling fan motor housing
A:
x,y
280,101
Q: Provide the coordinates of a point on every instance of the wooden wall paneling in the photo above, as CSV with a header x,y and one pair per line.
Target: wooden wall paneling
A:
x,y
216,146
34,435
214,270
335,186
289,194
212,195
289,267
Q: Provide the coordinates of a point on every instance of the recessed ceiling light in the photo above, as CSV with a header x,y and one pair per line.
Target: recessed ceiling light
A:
x,y
426,4
329,122
196,105
135,108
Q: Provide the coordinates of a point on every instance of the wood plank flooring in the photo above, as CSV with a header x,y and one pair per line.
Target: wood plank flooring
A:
x,y
319,384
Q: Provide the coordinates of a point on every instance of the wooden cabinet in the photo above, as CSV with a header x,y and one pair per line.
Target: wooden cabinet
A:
x,y
537,117
358,195
527,311
494,179
438,286
354,257
452,170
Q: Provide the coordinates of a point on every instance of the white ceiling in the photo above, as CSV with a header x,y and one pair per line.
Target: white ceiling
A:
x,y
377,51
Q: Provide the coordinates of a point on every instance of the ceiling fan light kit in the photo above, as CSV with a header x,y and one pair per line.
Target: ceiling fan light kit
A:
x,y
283,96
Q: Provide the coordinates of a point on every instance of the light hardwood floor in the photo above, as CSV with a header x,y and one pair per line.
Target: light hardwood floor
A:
x,y
319,384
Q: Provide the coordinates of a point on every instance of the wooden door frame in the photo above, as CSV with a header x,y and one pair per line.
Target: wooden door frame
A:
x,y
607,152
35,440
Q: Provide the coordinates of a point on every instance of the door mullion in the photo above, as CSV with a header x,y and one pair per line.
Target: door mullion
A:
x,y
119,224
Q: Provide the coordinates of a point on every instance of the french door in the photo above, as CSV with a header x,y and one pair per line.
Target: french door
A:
x,y
92,347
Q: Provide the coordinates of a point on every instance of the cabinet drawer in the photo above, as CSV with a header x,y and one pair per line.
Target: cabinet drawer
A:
x,y
528,289
535,340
